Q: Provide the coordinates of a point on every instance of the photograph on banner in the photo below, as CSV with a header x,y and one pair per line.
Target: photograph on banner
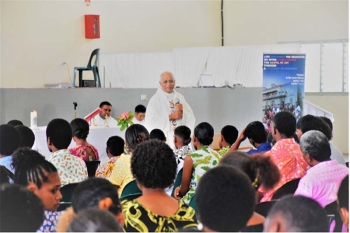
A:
x,y
283,85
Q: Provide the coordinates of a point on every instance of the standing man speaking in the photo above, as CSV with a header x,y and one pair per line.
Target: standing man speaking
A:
x,y
168,109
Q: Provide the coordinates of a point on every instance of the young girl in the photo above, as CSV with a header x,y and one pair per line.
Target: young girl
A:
x,y
182,139
40,177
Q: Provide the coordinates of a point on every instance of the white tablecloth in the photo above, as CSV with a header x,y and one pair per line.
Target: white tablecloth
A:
x,y
97,137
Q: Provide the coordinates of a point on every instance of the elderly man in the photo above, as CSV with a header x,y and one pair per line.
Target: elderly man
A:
x,y
168,109
323,179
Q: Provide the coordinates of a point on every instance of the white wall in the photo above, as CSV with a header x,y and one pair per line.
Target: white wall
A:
x,y
270,22
36,36
39,35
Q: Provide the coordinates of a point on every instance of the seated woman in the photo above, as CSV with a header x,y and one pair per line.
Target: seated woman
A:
x,y
154,166
121,174
83,150
261,171
197,162
41,177
115,147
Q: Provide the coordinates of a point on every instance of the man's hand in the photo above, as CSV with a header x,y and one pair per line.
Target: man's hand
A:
x,y
178,107
175,116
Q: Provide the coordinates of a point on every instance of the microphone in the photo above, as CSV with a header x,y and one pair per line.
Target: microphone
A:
x,y
177,101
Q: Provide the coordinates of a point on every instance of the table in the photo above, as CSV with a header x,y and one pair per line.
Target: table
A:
x,y
97,137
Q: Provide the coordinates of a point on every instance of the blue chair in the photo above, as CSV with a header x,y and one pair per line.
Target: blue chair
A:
x,y
177,182
193,203
92,167
130,190
91,67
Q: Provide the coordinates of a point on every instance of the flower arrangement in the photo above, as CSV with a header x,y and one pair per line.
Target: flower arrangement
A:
x,y
125,119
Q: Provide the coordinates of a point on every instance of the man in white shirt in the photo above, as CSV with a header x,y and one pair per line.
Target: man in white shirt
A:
x,y
168,109
139,114
104,117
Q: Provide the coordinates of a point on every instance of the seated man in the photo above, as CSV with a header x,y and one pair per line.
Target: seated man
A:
x,y
139,115
71,169
285,153
257,136
229,135
323,179
10,139
92,193
296,214
103,118
310,122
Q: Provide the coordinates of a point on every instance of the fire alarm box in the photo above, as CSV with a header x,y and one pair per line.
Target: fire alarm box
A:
x,y
92,26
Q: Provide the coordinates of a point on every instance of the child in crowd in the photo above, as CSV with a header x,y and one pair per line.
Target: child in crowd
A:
x,y
182,139
229,135
115,147
157,134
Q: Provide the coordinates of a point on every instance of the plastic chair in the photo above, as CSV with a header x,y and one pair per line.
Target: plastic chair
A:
x,y
92,167
91,67
64,206
288,188
193,203
67,192
330,218
130,197
263,208
131,189
177,181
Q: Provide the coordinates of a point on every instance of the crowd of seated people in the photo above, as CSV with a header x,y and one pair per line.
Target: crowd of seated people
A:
x,y
217,191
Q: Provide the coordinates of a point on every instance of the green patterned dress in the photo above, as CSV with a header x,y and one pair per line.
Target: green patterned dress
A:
x,y
203,159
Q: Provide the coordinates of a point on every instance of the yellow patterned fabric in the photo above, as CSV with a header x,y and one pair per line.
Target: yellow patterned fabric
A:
x,y
121,174
140,219
223,151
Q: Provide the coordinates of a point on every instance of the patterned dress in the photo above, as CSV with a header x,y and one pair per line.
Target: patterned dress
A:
x,y
80,151
50,221
139,219
105,170
71,169
121,174
203,159
223,151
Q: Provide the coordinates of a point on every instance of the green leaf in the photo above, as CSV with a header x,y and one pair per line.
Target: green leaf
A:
x,y
123,127
195,155
205,168
215,162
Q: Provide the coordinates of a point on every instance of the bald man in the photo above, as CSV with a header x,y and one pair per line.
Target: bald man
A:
x,y
168,109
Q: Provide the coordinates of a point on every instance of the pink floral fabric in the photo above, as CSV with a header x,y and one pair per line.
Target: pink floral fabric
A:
x,y
80,151
105,170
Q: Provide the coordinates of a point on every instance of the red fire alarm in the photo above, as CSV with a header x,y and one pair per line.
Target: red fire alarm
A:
x,y
92,26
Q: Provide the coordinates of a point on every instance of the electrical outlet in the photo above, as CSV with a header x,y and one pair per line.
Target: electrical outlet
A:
x,y
143,97
63,63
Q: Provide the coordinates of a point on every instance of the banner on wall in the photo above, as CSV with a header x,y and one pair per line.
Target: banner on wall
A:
x,y
283,85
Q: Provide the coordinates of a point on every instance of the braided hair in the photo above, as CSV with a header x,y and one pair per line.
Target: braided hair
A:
x,y
136,134
30,166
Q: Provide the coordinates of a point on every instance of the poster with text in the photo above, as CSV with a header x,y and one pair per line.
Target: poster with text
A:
x,y
283,85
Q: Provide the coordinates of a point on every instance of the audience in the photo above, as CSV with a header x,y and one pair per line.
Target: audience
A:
x,y
225,200
94,220
21,210
154,167
157,134
309,122
139,115
92,193
121,174
182,139
229,135
197,162
115,147
257,136
336,154
27,136
261,171
40,177
296,214
71,169
285,153
10,138
15,122
343,201
323,179
83,150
